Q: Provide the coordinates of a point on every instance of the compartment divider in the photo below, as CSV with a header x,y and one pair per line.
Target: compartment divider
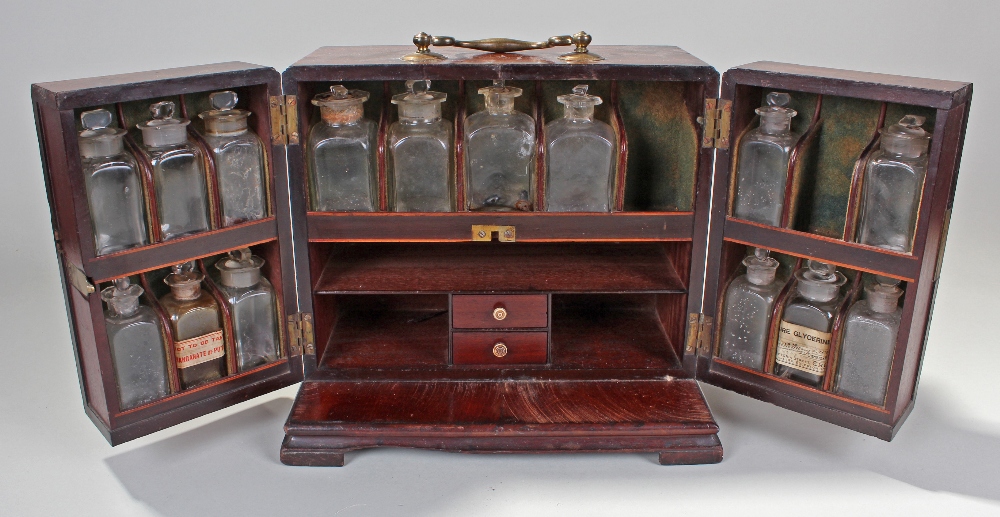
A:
x,y
621,164
795,174
541,167
232,367
148,185
212,174
382,149
459,144
837,331
173,376
776,313
857,178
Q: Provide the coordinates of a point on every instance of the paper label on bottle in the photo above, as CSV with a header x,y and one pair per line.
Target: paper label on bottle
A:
x,y
803,348
201,349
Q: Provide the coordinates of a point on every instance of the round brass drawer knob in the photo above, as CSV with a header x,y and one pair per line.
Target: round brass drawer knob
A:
x,y
499,313
500,349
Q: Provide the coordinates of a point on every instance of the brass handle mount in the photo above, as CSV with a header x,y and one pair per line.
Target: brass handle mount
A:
x,y
580,40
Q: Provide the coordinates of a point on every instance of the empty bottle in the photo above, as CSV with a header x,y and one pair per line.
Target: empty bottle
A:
x,y
869,342
196,323
763,163
893,183
500,152
746,313
239,160
178,173
420,148
804,336
579,156
114,190
251,302
137,349
343,168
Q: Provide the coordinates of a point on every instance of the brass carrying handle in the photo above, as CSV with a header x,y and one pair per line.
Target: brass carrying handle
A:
x,y
580,54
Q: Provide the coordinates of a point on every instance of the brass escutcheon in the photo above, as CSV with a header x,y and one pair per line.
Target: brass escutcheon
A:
x,y
499,313
500,349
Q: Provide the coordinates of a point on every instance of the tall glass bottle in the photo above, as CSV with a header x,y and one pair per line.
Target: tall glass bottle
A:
x,y
252,305
579,154
746,311
763,163
239,160
114,190
869,342
420,148
343,169
199,344
804,333
894,180
500,152
137,349
178,173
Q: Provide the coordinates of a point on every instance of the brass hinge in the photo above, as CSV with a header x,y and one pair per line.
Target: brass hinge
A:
x,y
716,123
484,232
78,279
301,338
284,120
699,334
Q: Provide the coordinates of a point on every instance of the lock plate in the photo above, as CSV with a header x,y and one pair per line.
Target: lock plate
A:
x,y
484,233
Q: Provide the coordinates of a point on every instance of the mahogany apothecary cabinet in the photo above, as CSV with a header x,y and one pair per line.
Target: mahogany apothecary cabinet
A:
x,y
610,318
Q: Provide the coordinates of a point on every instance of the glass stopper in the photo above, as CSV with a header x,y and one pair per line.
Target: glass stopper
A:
x,y
339,91
885,280
912,121
95,119
761,253
223,101
822,271
761,268
162,110
778,99
418,89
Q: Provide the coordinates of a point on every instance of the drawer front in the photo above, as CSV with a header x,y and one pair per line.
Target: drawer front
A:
x,y
500,311
499,348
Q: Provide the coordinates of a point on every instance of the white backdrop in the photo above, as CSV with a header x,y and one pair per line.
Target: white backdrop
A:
x,y
54,462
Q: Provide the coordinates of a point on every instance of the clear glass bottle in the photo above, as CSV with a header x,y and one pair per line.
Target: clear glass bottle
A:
x,y
196,323
178,173
343,168
763,163
420,149
500,152
251,302
579,157
804,333
114,190
894,180
137,349
239,160
746,311
869,342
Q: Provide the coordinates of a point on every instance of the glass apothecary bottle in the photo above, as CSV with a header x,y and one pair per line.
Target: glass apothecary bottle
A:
x,y
178,173
137,349
343,168
804,334
199,344
114,190
746,312
893,183
239,160
251,302
420,149
500,152
579,157
762,170
869,342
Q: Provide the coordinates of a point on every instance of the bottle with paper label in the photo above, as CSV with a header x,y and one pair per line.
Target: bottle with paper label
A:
x,y
195,320
804,333
251,302
746,313
762,170
869,342
137,350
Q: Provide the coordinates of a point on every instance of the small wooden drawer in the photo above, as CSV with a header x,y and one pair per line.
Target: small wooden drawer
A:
x,y
499,348
500,311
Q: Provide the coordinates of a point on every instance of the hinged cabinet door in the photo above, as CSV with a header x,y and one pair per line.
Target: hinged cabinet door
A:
x,y
58,108
835,133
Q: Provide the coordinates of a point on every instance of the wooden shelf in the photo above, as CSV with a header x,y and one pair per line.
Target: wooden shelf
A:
x,y
848,254
531,227
388,339
506,267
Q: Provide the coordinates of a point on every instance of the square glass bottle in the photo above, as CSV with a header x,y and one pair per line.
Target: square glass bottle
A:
x,y
251,302
137,346
579,157
196,324
420,149
762,169
747,309
869,343
343,169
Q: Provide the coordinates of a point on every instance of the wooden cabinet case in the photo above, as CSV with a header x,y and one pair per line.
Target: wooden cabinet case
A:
x,y
557,332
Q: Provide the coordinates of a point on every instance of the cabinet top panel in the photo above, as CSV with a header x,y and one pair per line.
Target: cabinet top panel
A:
x,y
95,91
624,62
866,85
